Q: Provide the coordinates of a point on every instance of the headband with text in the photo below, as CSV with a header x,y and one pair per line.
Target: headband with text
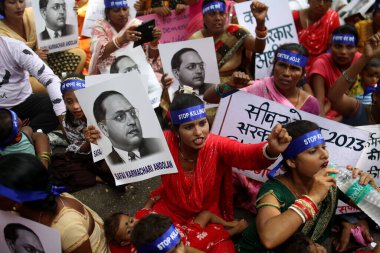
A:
x,y
72,84
162,244
299,145
21,196
214,6
115,3
347,39
13,132
292,58
188,114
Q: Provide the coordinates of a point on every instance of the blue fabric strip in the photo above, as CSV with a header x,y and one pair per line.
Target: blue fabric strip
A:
x,y
72,84
26,196
14,131
115,3
370,89
214,6
162,244
347,39
292,58
188,114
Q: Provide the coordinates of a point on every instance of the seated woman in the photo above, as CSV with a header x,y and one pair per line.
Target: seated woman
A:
x,y
117,31
232,41
81,229
368,27
327,68
355,113
314,26
303,199
19,24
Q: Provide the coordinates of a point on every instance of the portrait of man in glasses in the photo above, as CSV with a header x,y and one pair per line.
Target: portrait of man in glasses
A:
x,y
189,69
123,64
119,121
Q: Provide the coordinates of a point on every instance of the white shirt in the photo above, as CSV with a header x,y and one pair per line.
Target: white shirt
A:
x,y
17,61
124,154
52,33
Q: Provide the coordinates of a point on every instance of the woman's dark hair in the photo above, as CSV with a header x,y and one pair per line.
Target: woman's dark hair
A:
x,y
5,124
107,11
182,101
347,29
69,117
149,229
298,128
292,47
374,62
111,226
26,172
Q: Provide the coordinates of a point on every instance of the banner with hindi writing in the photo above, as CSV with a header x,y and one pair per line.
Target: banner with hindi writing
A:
x,y
281,30
173,27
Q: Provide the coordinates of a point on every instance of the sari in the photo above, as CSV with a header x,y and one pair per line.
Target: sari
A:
x,y
84,42
315,38
229,50
317,229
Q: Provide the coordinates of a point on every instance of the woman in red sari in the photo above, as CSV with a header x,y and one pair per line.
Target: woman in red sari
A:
x,y
204,162
314,26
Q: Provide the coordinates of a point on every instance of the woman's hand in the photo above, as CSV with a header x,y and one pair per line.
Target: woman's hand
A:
x,y
162,11
239,80
166,81
259,11
341,244
372,46
139,5
321,183
365,177
156,34
179,8
42,53
130,35
278,141
91,134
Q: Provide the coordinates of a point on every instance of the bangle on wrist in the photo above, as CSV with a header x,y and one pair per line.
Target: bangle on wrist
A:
x,y
261,34
153,47
266,154
115,42
349,80
298,212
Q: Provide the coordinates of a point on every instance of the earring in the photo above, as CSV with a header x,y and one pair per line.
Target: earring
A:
x,y
14,208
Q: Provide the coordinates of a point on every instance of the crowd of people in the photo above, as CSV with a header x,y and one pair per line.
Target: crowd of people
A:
x,y
333,72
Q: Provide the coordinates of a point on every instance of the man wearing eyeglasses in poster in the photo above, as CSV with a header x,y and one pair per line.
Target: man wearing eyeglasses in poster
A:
x,y
119,121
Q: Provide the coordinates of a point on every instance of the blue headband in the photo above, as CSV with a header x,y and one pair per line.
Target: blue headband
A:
x,y
26,196
292,58
348,39
214,6
302,143
162,244
188,114
370,89
72,84
115,3
14,131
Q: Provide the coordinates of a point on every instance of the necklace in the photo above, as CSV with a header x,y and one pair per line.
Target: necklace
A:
x,y
183,157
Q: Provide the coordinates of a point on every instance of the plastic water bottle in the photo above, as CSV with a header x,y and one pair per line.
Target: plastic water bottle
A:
x,y
364,196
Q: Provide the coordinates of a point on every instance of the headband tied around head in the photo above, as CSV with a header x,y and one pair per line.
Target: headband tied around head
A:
x,y
72,83
188,114
292,58
214,6
371,89
14,130
21,196
347,39
299,145
162,244
115,3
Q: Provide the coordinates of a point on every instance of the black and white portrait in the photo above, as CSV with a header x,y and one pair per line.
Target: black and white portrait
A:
x,y
192,64
132,142
20,235
124,64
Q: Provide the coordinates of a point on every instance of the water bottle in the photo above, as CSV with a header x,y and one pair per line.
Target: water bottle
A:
x,y
364,196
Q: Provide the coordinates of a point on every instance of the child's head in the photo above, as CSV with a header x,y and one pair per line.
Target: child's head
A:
x,y
156,234
69,84
370,74
9,127
344,45
300,243
118,228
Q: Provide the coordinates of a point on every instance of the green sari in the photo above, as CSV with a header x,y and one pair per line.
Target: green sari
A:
x,y
317,229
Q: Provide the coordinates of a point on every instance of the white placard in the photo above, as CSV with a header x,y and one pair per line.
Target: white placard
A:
x,y
35,236
123,129
97,153
281,30
59,16
355,7
188,71
95,11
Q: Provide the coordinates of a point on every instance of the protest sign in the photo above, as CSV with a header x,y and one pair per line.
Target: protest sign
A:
x,y
281,30
31,235
131,141
192,63
355,10
173,27
57,29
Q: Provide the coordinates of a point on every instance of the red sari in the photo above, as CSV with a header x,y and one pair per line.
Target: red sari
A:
x,y
315,38
209,187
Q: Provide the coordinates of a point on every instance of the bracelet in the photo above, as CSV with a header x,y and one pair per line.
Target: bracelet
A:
x,y
310,202
347,78
153,48
268,204
261,38
298,212
261,33
45,156
115,42
217,90
308,215
266,154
